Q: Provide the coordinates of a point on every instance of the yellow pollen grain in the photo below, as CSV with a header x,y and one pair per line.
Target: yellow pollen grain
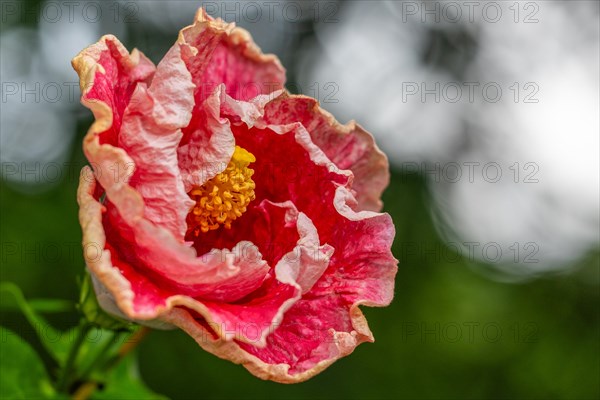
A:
x,y
224,198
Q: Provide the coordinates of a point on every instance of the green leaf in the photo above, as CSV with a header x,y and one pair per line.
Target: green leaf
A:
x,y
51,305
124,382
56,342
42,306
23,374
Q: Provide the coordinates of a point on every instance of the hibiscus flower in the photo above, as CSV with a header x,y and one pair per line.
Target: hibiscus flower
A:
x,y
223,205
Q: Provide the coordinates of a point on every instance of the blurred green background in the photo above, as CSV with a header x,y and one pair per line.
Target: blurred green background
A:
x,y
451,332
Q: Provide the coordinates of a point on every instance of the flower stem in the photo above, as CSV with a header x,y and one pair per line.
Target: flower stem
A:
x,y
84,391
100,358
133,341
65,373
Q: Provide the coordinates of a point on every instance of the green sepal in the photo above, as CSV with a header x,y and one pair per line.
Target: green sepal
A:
x,y
94,314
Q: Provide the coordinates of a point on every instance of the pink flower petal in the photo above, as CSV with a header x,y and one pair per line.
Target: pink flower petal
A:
x,y
219,57
348,146
295,351
222,274
208,143
150,134
218,52
108,77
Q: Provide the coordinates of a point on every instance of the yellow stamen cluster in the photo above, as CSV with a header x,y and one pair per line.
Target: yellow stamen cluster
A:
x,y
224,198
